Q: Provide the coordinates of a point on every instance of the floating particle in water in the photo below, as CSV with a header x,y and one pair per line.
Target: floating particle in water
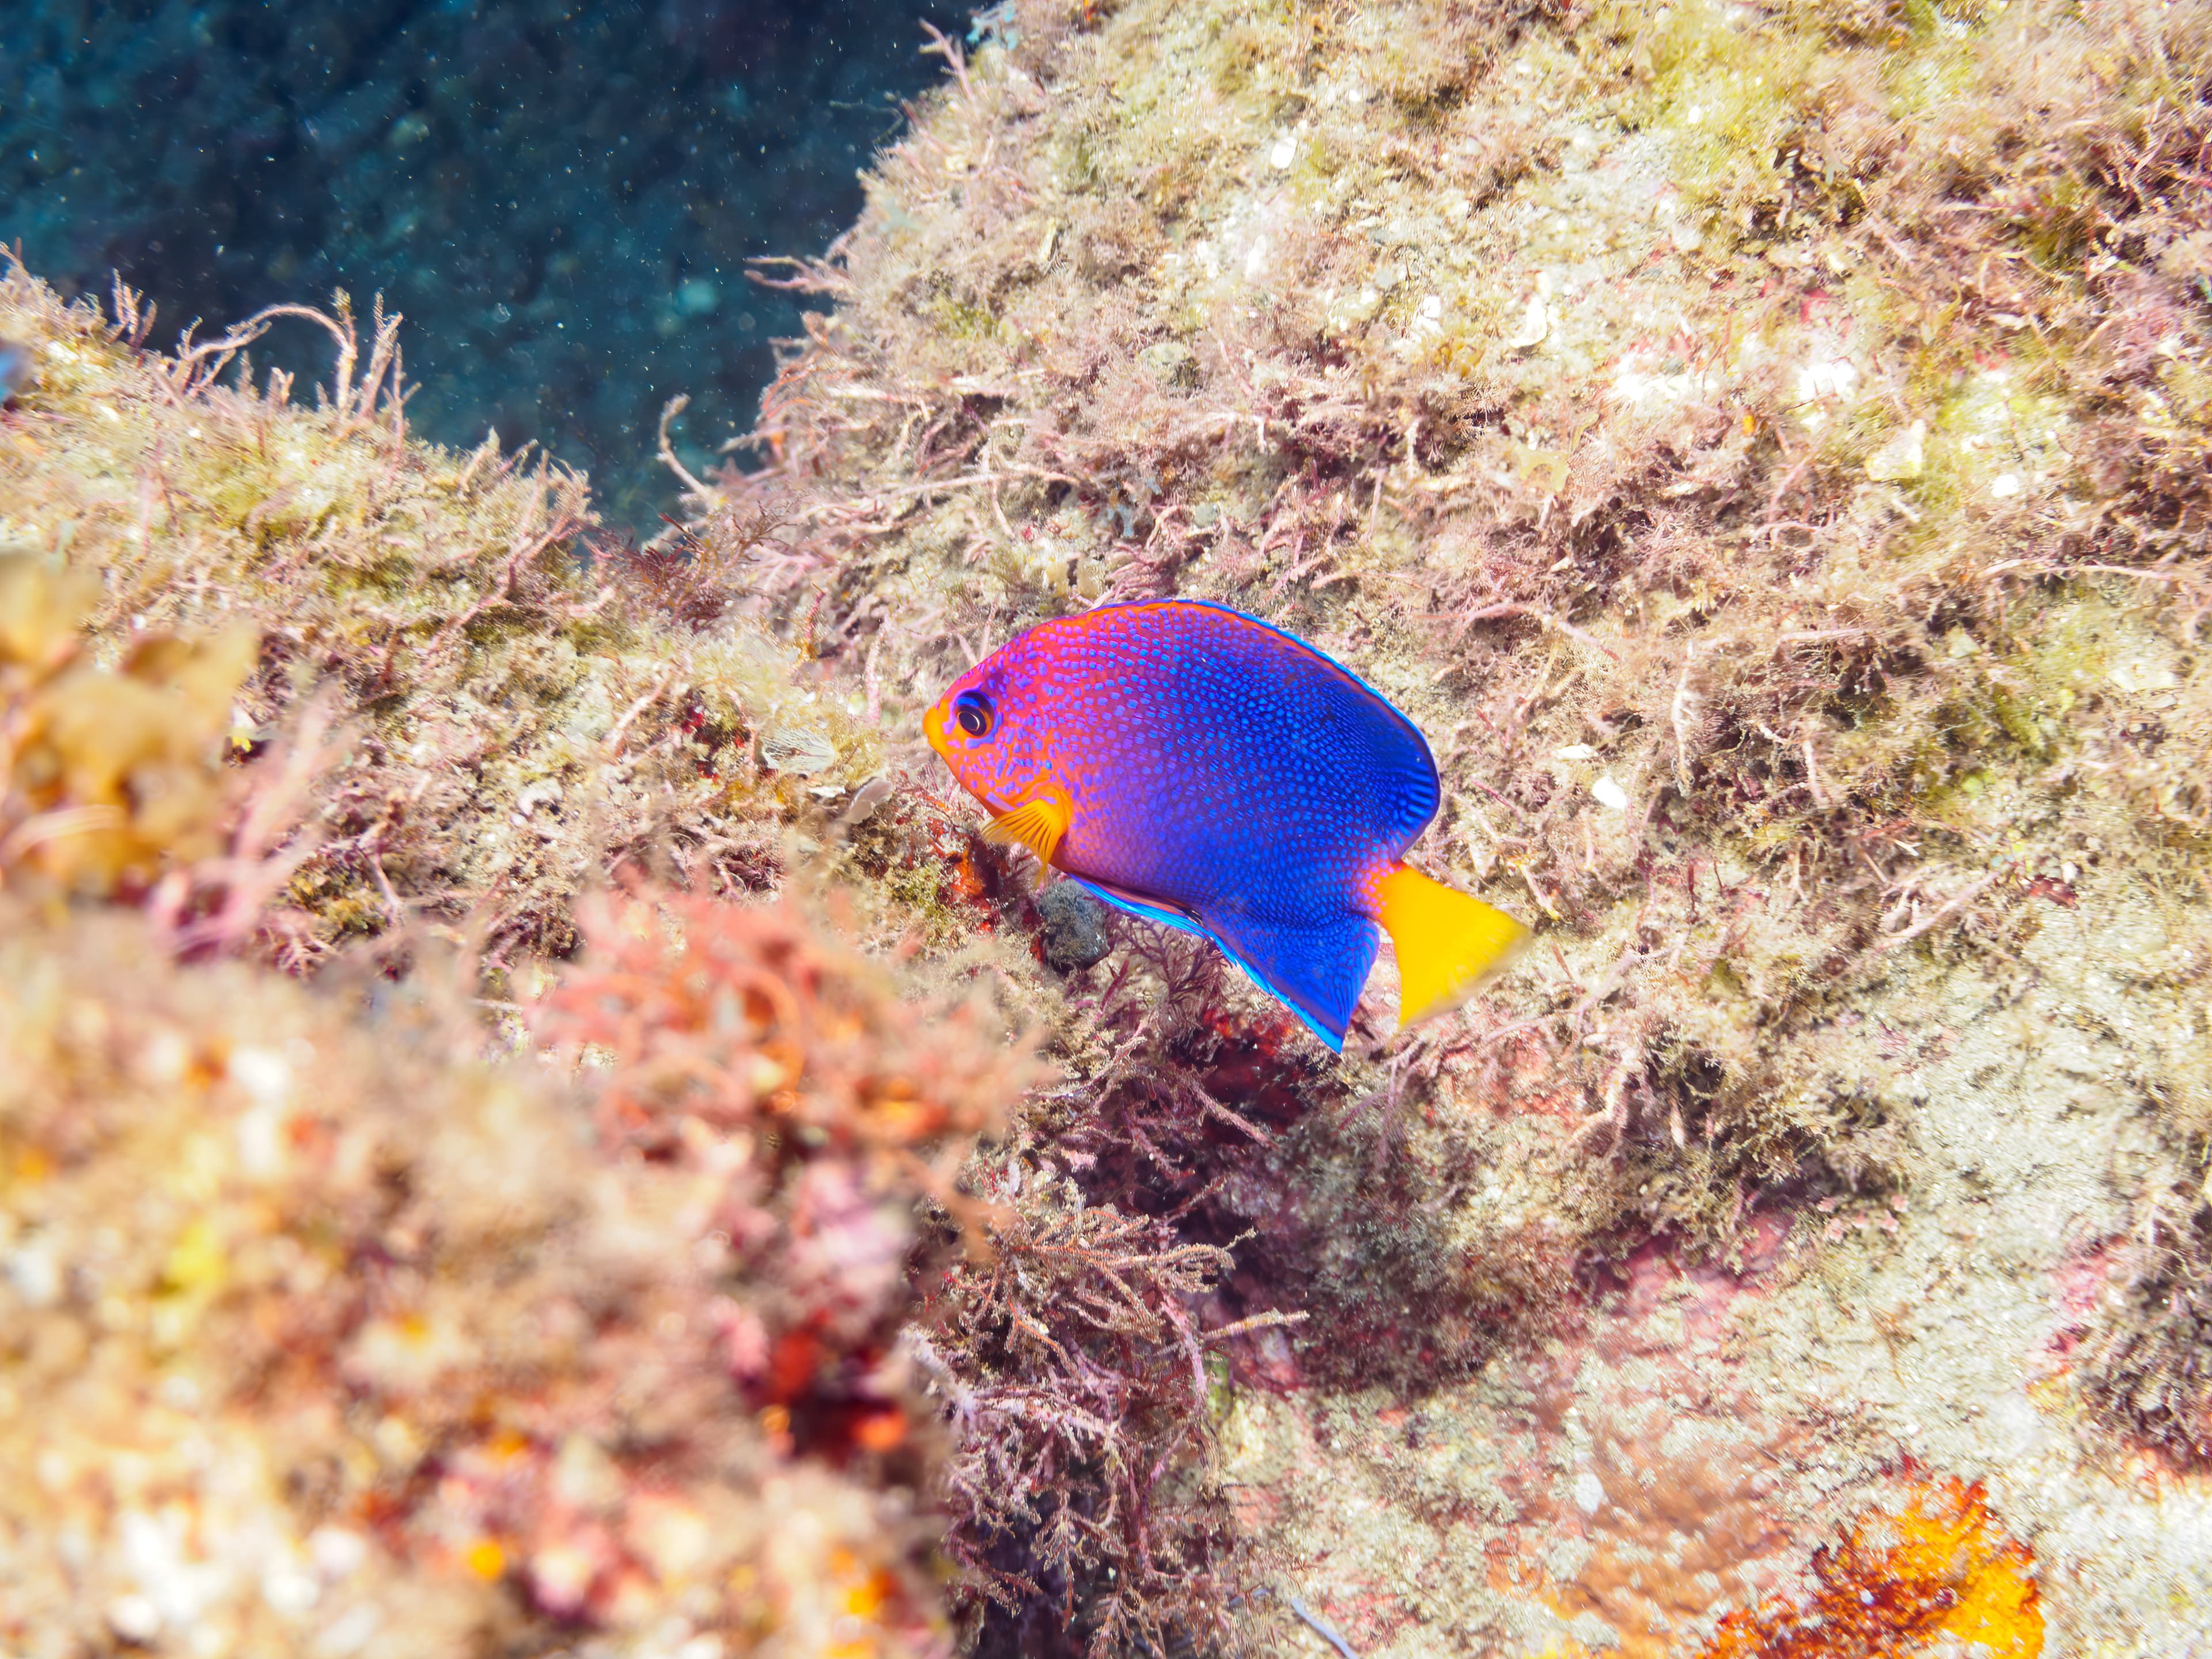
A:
x,y
1951,1573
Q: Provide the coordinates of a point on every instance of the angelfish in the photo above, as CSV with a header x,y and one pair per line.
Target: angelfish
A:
x,y
1199,768
14,369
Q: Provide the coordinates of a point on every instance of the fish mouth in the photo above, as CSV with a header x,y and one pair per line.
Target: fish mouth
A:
x,y
932,727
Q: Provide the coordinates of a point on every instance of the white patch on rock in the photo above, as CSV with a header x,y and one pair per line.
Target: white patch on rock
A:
x,y
796,750
1535,324
1903,456
1826,377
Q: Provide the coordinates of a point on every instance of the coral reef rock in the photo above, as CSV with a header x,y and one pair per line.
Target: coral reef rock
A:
x,y
699,1196
1764,449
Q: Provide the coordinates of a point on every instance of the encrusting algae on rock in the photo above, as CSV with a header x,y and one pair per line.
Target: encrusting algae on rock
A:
x,y
1949,1573
1933,1578
506,699
108,776
1779,508
318,1323
330,1330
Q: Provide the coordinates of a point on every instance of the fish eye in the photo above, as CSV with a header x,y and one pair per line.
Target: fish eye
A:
x,y
973,710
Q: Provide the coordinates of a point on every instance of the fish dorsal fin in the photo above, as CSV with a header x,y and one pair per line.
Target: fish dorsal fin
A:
x,y
1037,824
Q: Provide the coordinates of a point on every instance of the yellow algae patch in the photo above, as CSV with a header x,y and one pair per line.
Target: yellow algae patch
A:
x,y
196,1264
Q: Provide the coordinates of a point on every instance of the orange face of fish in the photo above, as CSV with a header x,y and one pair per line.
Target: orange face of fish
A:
x,y
994,728
964,728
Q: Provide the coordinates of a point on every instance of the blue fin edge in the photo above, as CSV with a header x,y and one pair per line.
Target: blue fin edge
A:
x,y
1333,1040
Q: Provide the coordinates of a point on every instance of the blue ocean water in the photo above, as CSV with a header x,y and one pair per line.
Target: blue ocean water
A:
x,y
561,197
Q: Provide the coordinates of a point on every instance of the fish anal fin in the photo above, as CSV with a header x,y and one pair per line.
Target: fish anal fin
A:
x,y
1037,824
1317,969
1449,945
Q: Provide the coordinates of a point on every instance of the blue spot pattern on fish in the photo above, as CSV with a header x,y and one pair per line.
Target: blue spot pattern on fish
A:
x,y
1203,768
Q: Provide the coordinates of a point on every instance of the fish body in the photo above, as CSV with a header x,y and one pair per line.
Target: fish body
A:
x,y
14,369
1200,767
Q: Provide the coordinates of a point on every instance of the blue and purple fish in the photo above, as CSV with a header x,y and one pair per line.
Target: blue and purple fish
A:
x,y
1199,768
16,363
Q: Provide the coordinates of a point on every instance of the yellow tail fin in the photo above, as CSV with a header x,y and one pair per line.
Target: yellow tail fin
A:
x,y
1449,945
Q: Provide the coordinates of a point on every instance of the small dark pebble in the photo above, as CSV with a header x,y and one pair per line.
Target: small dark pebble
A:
x,y
14,369
1074,928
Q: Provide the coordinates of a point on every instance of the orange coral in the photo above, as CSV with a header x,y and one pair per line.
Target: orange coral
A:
x,y
1950,1572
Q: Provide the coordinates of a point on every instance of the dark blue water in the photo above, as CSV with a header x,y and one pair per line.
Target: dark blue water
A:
x,y
561,197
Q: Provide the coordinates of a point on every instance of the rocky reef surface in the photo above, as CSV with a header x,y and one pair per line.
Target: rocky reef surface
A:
x,y
1765,448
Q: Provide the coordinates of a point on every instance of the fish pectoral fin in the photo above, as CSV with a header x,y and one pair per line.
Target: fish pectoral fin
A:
x,y
1449,945
1037,824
